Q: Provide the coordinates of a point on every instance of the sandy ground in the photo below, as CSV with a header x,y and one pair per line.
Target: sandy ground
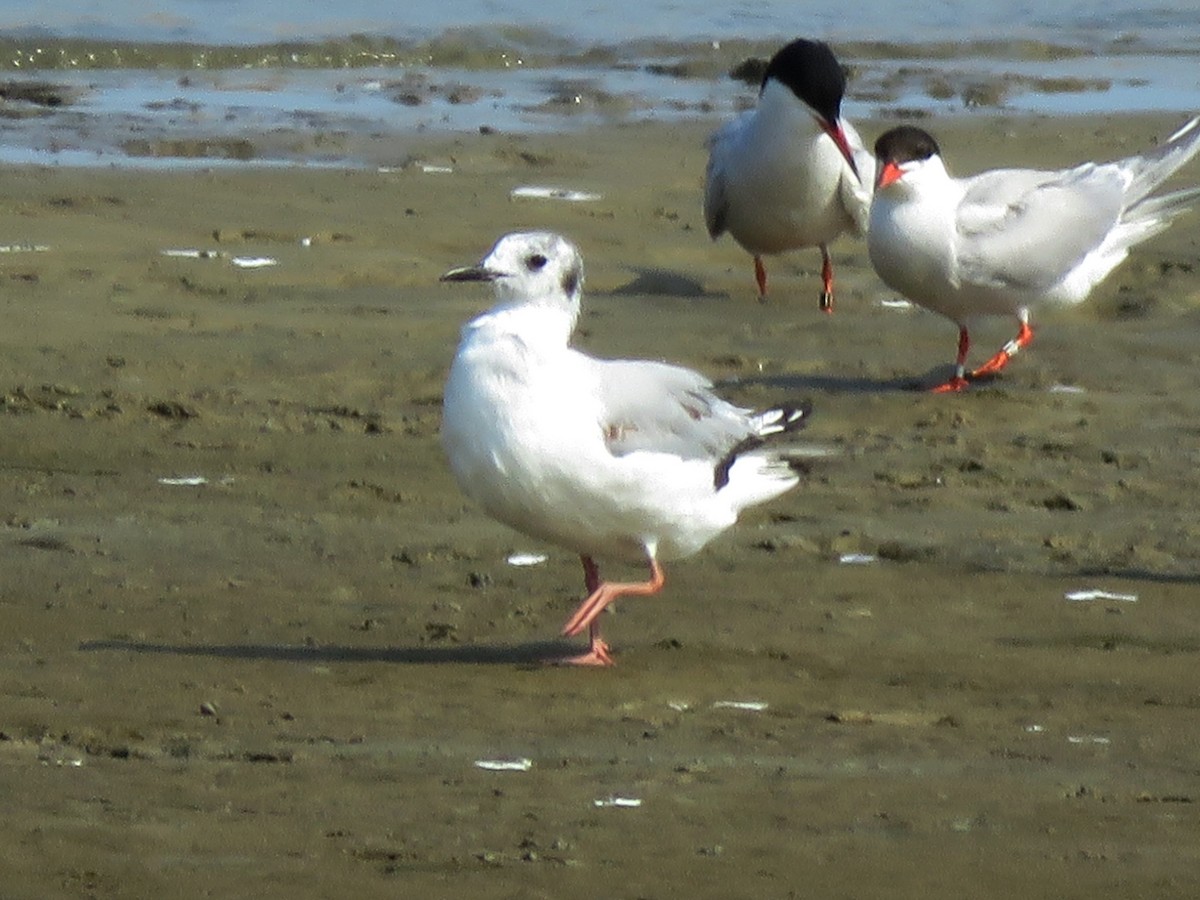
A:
x,y
278,683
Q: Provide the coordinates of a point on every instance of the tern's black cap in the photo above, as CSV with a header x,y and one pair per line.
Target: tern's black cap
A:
x,y
813,74
905,144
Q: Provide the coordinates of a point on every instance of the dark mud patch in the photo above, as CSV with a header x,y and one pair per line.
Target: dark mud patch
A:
x,y
192,148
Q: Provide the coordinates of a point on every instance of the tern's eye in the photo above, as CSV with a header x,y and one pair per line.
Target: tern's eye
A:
x,y
536,262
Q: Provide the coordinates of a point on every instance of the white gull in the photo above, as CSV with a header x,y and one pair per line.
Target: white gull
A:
x,y
630,459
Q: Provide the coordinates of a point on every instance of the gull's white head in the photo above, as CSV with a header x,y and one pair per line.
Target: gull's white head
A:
x,y
530,267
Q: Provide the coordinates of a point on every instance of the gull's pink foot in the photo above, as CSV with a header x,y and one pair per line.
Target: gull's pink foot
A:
x,y
598,654
602,594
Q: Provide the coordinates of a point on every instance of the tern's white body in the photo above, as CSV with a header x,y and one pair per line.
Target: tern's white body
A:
x,y
1003,241
776,180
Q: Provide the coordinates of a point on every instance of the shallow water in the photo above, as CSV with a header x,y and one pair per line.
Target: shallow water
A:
x,y
589,22
138,83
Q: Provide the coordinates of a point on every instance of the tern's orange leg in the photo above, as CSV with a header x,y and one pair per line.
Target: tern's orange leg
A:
x,y
760,275
959,381
826,281
1009,350
602,594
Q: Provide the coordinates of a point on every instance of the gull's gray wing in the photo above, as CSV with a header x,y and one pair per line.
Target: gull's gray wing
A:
x,y
668,409
1024,229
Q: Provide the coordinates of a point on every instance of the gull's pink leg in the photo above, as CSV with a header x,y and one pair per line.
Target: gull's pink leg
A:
x,y
760,275
826,281
959,381
591,573
598,651
601,595
1009,350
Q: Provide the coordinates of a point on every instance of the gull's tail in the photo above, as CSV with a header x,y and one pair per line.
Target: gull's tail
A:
x,y
782,419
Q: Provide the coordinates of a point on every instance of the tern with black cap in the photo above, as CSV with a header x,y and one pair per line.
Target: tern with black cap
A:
x,y
1004,241
792,172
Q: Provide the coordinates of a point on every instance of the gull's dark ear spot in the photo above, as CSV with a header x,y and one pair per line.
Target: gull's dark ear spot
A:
x,y
570,280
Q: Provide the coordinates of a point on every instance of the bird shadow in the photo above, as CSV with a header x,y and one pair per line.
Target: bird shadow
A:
x,y
849,384
1139,575
531,654
833,384
663,283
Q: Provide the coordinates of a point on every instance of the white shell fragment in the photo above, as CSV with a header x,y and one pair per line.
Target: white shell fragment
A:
x,y
1066,389
184,481
190,253
23,248
896,303
73,762
810,451
623,802
857,559
1096,594
548,193
679,706
1087,739
526,559
748,705
516,764
242,262
436,170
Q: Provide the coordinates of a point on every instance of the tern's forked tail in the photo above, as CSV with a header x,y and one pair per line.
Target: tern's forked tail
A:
x,y
1151,169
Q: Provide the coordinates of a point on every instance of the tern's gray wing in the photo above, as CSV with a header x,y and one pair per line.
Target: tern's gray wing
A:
x,y
856,192
667,409
716,203
1023,229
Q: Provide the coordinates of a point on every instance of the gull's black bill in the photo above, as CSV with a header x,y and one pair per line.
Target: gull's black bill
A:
x,y
471,273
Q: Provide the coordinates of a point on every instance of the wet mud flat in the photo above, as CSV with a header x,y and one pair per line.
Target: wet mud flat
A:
x,y
256,642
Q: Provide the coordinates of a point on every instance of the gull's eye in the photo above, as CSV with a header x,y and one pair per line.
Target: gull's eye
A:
x,y
536,263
